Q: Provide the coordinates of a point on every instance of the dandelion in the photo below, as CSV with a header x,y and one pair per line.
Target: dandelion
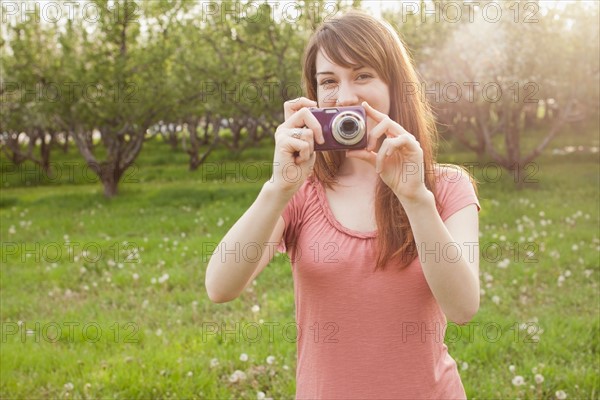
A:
x,y
255,308
11,230
158,332
260,395
88,386
518,380
464,366
69,386
190,374
567,273
560,395
244,357
163,278
561,279
588,273
502,238
237,376
135,276
270,359
539,378
504,263
153,281
496,300
511,368
214,363
574,247
220,222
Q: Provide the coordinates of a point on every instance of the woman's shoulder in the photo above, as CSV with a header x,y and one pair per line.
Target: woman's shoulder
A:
x,y
455,188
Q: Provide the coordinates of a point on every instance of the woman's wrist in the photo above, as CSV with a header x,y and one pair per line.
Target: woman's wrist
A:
x,y
423,197
275,193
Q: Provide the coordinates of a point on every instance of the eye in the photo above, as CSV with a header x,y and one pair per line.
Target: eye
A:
x,y
325,82
364,76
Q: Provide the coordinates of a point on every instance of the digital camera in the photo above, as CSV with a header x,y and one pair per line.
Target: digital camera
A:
x,y
344,128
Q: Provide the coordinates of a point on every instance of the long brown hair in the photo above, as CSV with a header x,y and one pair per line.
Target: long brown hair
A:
x,y
356,38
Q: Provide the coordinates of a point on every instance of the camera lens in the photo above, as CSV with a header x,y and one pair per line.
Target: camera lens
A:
x,y
349,127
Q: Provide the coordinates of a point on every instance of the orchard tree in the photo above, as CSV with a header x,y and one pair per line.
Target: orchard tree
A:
x,y
488,79
126,70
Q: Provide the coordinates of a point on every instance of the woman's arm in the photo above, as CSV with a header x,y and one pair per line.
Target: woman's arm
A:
x,y
449,255
248,246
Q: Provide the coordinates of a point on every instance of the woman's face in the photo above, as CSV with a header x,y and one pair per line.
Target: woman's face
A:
x,y
350,86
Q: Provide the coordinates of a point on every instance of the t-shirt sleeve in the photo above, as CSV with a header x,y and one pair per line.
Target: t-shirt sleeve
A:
x,y
455,190
292,216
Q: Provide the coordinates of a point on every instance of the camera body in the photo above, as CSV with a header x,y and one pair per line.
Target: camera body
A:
x,y
344,128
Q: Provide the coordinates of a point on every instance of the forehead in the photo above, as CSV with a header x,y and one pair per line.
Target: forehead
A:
x,y
324,62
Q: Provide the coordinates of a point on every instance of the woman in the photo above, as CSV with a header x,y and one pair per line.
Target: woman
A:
x,y
383,241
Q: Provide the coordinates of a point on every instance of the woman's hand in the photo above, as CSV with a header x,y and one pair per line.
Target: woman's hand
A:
x,y
399,160
294,145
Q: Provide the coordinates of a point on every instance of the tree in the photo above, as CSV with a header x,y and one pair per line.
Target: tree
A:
x,y
126,70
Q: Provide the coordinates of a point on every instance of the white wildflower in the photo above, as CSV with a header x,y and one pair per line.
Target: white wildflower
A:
x,y
163,278
518,380
560,395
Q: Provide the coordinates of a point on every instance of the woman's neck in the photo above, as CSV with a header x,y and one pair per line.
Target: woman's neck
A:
x,y
355,170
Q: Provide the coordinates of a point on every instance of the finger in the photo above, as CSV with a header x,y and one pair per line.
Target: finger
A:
x,y
304,134
308,136
373,113
305,154
392,145
302,118
384,127
292,106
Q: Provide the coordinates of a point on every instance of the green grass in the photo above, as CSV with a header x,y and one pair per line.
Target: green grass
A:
x,y
123,337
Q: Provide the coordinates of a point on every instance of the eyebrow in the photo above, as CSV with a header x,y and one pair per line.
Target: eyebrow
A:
x,y
331,73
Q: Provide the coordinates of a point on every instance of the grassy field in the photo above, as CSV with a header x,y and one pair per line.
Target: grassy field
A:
x,y
105,298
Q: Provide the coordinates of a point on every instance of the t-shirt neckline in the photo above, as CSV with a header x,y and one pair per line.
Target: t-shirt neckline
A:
x,y
331,218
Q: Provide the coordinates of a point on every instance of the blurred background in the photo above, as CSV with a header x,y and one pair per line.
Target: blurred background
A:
x,y
133,134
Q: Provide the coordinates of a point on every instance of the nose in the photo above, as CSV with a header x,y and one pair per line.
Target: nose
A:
x,y
346,96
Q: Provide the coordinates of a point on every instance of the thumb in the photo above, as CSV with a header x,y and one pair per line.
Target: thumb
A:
x,y
364,155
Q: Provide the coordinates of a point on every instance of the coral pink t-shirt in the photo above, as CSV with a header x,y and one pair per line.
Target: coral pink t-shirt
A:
x,y
364,334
